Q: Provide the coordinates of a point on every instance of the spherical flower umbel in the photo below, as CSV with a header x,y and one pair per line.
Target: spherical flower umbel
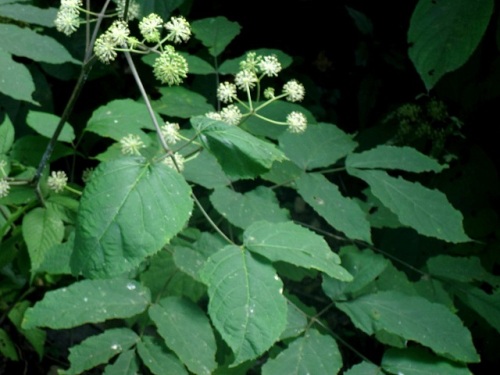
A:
x,y
297,122
118,33
178,164
231,115
133,9
226,92
251,62
131,144
294,90
270,66
67,20
269,93
71,3
214,116
179,30
170,67
57,181
170,132
150,28
4,188
245,79
104,49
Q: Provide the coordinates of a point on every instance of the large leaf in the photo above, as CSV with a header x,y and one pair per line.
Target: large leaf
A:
x,y
246,302
157,358
99,349
29,14
28,43
364,368
125,364
342,213
239,153
425,210
486,305
186,331
319,146
291,243
46,123
461,269
312,353
215,33
204,170
88,301
42,229
177,101
15,79
413,318
391,157
129,210
443,35
242,210
6,132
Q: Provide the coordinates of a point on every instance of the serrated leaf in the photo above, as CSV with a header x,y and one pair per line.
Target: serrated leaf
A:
x,y
413,318
6,130
291,243
415,361
342,213
45,124
35,46
239,153
99,349
242,210
444,34
156,357
187,332
88,301
486,305
425,210
319,146
215,33
177,101
312,353
246,303
205,171
121,117
392,157
462,269
364,368
232,66
15,79
42,229
125,364
129,210
29,14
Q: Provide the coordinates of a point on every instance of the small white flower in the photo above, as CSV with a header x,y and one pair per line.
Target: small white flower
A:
x,y
170,67
297,122
226,92
214,116
270,66
4,188
71,3
170,132
178,164
294,90
179,30
150,28
245,79
131,144
251,62
269,93
57,181
231,115
133,9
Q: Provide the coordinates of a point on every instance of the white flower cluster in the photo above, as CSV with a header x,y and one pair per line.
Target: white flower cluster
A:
x,y
68,16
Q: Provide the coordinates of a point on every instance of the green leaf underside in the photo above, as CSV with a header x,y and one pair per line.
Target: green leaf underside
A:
x,y
45,124
129,210
125,364
99,349
444,34
239,153
88,301
391,157
415,361
312,353
242,210
246,303
15,79
425,210
320,145
177,101
157,358
291,243
342,213
186,331
413,318
215,33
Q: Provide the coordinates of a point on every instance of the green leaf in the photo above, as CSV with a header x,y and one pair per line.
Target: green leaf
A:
x,y
443,35
29,149
312,353
462,269
232,66
215,33
42,229
129,210
99,349
283,173
413,318
6,130
162,8
296,322
242,210
291,243
7,347
36,337
186,331
27,13
28,43
239,153
88,301
319,146
204,170
342,213
177,101
15,79
157,358
364,368
391,157
246,303
486,305
415,361
425,210
125,364
45,124
57,258
197,65
121,117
